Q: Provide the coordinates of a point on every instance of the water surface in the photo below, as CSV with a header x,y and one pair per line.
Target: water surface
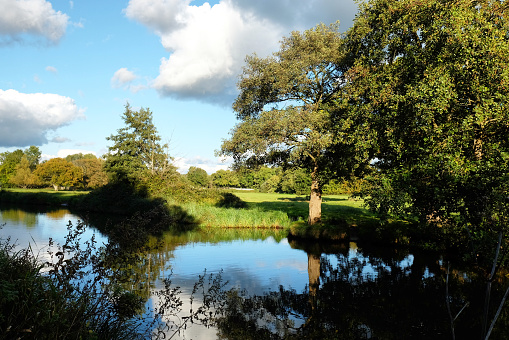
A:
x,y
343,291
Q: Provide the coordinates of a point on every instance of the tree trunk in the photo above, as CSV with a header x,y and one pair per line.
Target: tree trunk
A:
x,y
315,200
314,285
314,278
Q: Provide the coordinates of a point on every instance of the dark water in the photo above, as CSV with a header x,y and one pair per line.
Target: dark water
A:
x,y
307,291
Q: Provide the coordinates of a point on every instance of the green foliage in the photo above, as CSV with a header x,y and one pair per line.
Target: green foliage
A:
x,y
33,155
175,188
78,156
55,305
136,147
266,179
58,173
225,179
9,161
94,175
427,93
295,181
23,177
198,176
351,186
246,177
306,75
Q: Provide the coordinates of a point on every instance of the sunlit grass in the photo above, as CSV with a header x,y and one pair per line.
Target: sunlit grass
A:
x,y
211,216
39,196
48,190
334,207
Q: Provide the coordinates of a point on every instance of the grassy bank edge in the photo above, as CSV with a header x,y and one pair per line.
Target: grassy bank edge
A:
x,y
344,219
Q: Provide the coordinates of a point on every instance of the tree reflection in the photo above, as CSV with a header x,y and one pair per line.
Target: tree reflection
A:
x,y
364,295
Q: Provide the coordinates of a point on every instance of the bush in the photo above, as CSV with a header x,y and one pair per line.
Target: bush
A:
x,y
56,305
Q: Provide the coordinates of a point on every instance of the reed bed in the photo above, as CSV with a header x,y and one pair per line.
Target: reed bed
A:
x,y
212,216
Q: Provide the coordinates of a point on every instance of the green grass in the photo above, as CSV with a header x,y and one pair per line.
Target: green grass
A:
x,y
211,216
48,190
334,207
39,196
263,210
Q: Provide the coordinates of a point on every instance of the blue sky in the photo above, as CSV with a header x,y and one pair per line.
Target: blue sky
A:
x,y
69,67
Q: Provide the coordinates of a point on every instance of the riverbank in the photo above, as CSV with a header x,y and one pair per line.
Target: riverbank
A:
x,y
344,219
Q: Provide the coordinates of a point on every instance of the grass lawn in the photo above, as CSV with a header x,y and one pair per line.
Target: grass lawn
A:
x,y
38,196
342,218
334,207
61,193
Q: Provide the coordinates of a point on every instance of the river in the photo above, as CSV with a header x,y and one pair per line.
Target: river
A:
x,y
342,291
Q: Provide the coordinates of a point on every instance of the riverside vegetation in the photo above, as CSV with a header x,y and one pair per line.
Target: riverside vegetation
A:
x,y
412,100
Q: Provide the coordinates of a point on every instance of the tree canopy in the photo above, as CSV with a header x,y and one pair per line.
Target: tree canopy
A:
x,y
136,147
23,176
427,93
59,173
9,162
198,176
284,106
92,167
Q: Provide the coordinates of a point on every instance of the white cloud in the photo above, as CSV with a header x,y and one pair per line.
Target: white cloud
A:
x,y
208,44
123,78
51,69
25,118
33,17
209,165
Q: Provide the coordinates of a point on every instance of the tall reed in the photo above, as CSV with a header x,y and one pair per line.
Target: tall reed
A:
x,y
208,215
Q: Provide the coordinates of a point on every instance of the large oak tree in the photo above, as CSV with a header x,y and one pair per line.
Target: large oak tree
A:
x,y
284,106
428,93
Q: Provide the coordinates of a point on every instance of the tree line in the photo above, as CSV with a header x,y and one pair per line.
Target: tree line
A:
x,y
24,169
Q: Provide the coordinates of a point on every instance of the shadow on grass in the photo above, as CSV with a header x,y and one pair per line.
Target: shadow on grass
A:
x,y
331,213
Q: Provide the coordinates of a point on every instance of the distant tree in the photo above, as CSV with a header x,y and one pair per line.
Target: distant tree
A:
x,y
136,147
295,181
23,176
59,173
77,156
267,179
306,76
33,155
225,178
198,176
94,175
8,163
246,177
